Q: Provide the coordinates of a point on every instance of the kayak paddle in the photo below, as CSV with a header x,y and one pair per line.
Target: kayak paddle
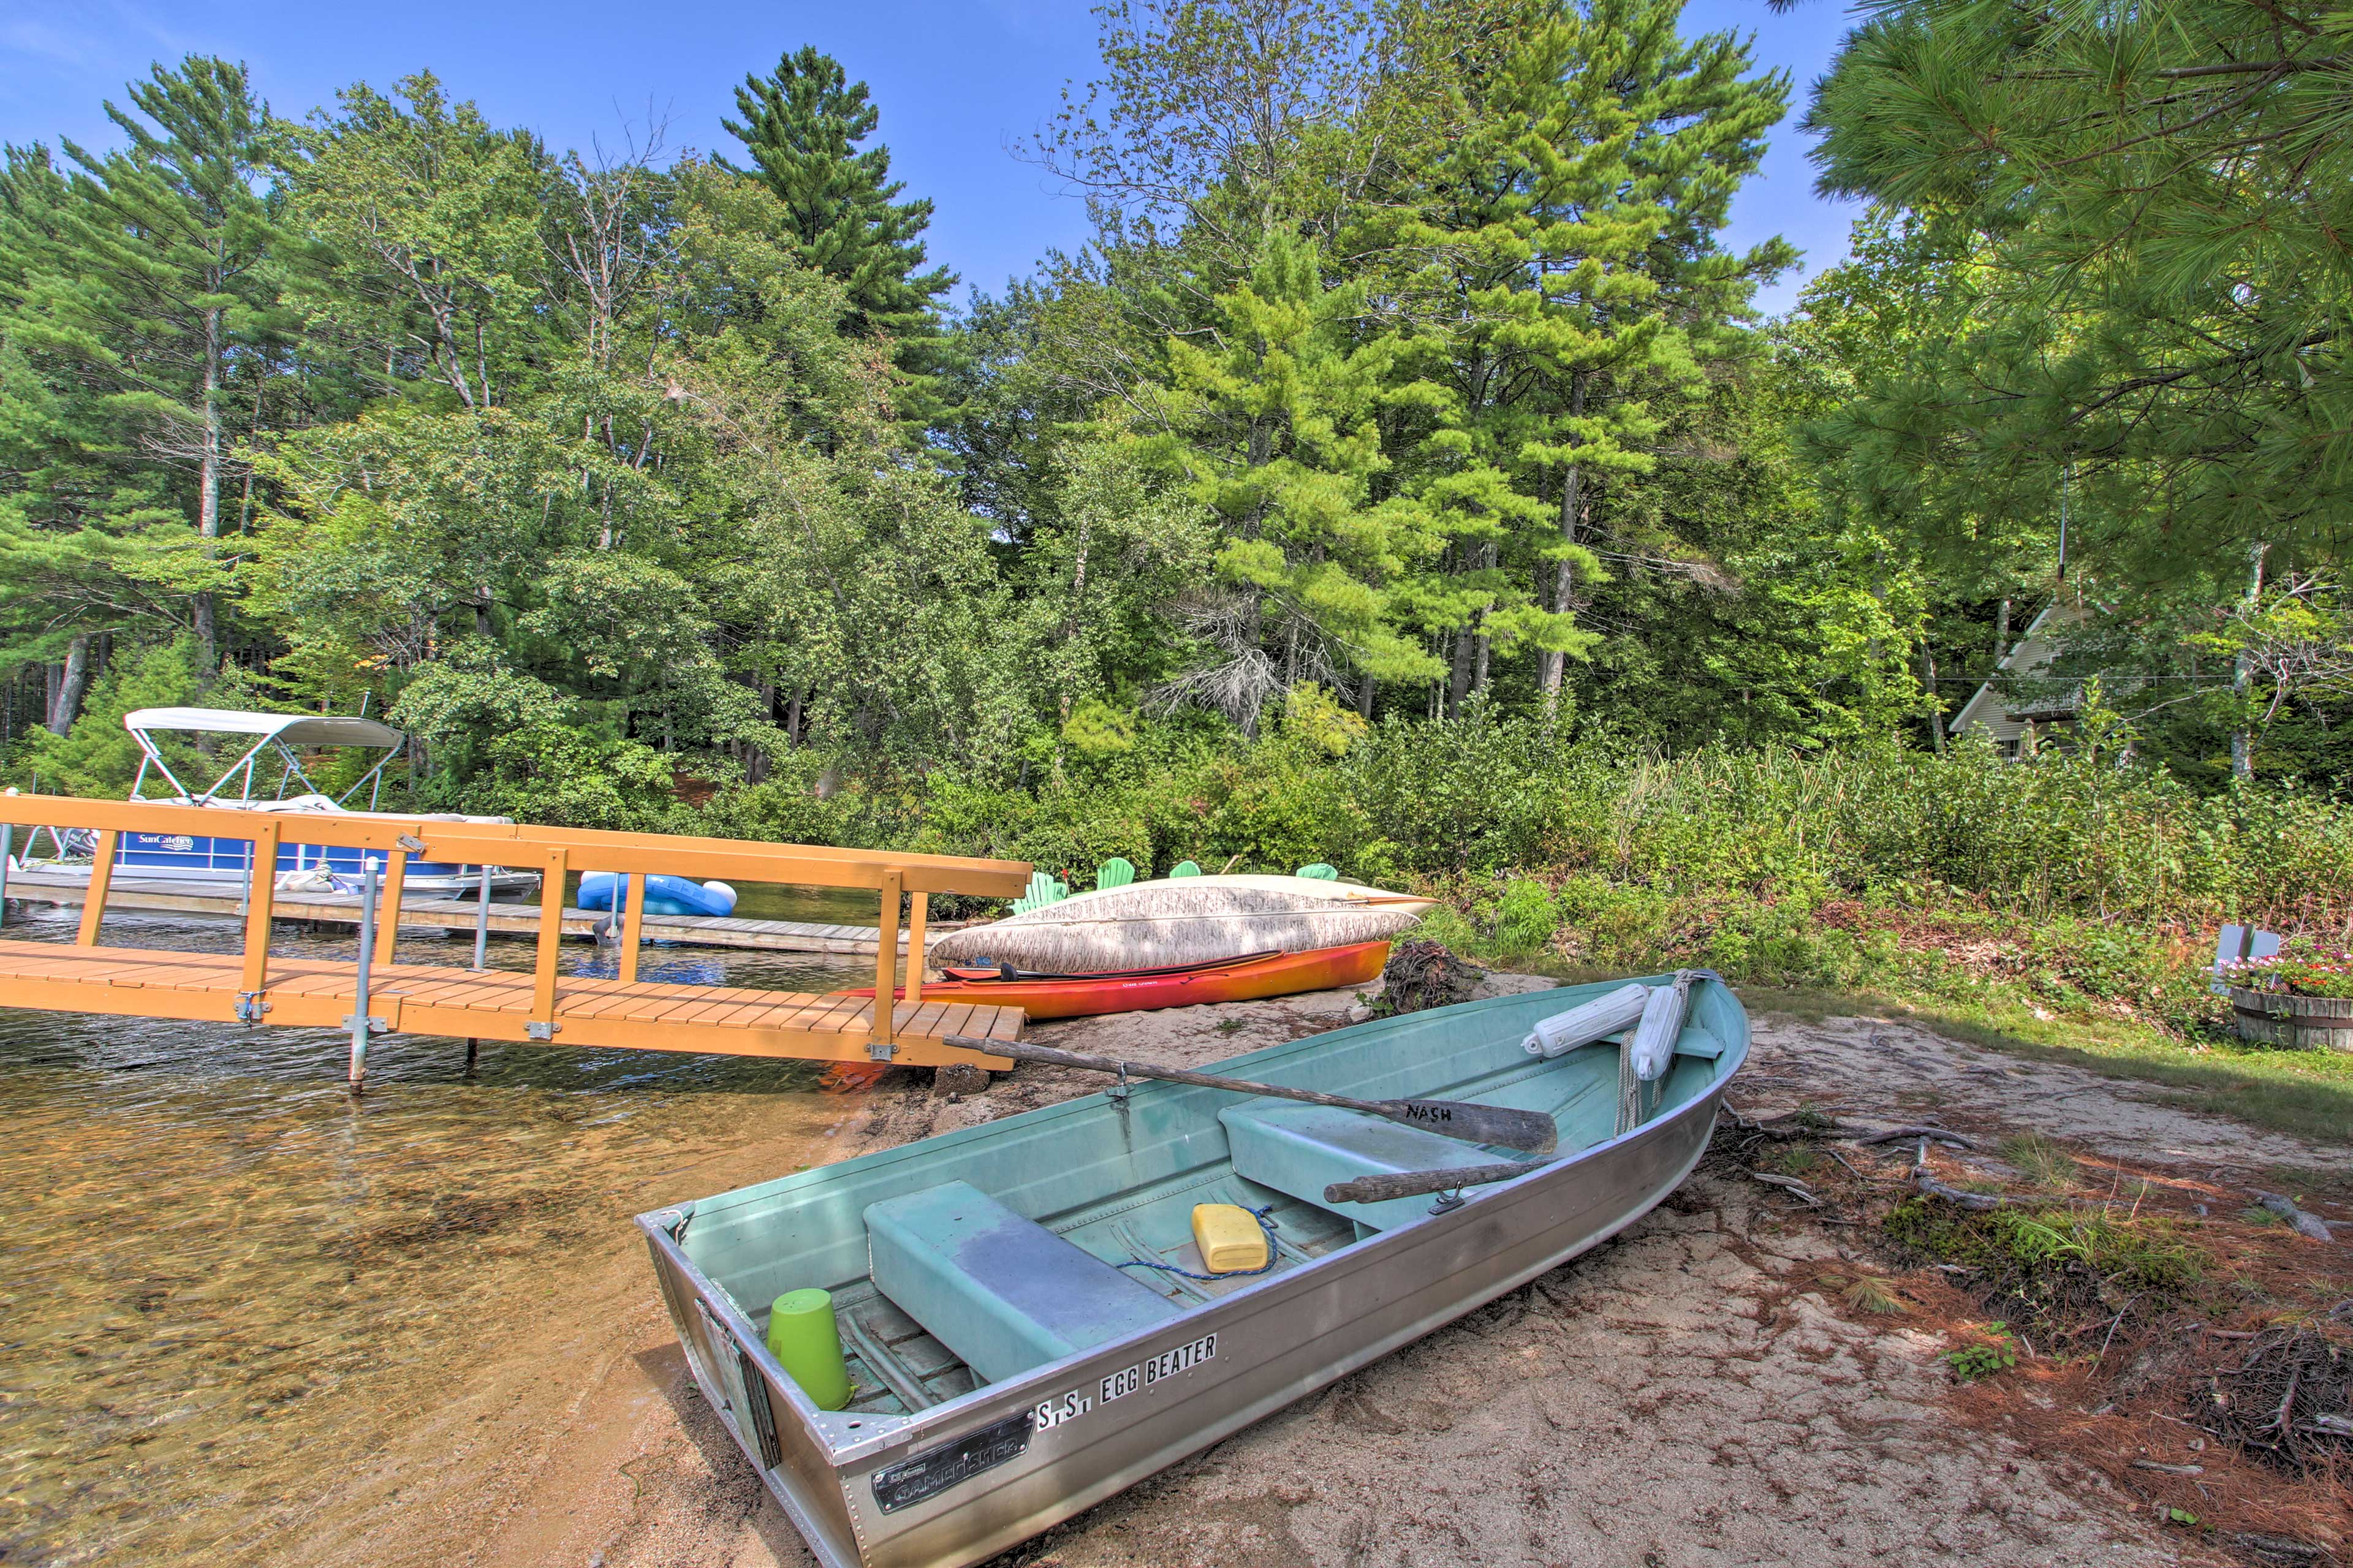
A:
x,y
1495,1124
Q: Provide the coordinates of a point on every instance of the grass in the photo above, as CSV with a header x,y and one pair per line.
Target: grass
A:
x,y
2040,1161
2053,1266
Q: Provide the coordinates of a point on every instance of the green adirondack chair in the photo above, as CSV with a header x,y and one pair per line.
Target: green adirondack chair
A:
x,y
1115,872
1321,872
1184,868
1043,890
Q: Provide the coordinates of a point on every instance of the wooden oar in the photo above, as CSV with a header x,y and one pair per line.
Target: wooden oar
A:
x,y
1495,1124
1380,1189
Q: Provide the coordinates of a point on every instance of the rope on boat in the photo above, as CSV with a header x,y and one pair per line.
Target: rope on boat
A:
x,y
1265,1223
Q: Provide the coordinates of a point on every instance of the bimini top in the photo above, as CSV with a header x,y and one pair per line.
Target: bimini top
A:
x,y
290,728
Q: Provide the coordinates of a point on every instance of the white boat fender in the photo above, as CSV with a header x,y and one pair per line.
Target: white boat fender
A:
x,y
1653,1045
1582,1025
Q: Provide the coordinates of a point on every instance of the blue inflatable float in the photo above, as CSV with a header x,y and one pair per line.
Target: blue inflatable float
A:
x,y
664,895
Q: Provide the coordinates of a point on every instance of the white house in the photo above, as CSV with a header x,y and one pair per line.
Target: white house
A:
x,y
1999,708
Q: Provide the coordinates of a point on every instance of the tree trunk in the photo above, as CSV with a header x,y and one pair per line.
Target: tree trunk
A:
x,y
1553,664
65,703
2242,675
2001,632
755,757
1458,681
1936,710
1487,555
208,464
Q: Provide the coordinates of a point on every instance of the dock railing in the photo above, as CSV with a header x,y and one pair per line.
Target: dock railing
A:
x,y
552,852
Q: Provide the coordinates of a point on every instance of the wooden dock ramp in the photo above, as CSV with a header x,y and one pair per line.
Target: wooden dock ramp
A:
x,y
374,994
456,916
492,1004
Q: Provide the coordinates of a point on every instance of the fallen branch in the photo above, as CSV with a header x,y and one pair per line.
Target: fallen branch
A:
x,y
2287,1406
1901,1134
1795,1187
1792,1126
1956,1196
2168,1470
2111,1335
1851,1171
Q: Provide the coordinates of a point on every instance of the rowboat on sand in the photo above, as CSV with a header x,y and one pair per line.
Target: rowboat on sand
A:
x,y
1248,978
1005,1371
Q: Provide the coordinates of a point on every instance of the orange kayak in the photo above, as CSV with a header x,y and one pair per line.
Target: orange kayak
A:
x,y
1084,995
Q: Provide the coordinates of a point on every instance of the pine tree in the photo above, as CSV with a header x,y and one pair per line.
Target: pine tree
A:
x,y
802,124
1576,219
180,236
141,330
2150,204
1271,413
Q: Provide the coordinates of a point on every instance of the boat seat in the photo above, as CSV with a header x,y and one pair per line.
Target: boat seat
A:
x,y
1003,1292
1299,1149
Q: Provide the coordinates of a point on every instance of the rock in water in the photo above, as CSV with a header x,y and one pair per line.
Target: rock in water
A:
x,y
1179,921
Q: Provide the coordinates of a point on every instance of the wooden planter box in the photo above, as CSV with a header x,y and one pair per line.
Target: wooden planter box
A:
x,y
2300,1023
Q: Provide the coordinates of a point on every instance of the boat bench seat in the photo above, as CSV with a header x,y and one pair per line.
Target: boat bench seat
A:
x,y
1003,1292
1299,1149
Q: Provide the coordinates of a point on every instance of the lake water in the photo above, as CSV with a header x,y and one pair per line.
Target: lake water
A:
x,y
224,1272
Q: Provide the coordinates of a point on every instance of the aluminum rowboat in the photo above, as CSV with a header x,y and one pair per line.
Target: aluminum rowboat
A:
x,y
933,1465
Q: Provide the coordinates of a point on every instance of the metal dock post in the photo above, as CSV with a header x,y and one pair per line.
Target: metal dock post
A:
x,y
482,923
359,1020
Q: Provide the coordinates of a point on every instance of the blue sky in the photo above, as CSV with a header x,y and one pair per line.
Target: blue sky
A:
x,y
958,81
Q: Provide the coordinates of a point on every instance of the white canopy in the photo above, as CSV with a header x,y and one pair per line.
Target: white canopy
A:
x,y
293,729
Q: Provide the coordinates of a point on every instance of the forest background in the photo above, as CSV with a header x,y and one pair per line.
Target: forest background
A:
x,y
1402,478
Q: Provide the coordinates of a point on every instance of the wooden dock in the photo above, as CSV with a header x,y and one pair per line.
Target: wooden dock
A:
x,y
459,915
371,995
492,1004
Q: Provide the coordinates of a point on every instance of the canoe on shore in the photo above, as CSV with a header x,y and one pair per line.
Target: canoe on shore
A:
x,y
1247,978
1184,920
1008,1360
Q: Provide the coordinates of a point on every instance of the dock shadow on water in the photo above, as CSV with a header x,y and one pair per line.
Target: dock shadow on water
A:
x,y
231,1281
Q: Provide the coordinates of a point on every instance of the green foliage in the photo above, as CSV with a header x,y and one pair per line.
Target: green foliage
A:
x,y
800,125
1399,482
2138,215
1096,732
97,757
1312,718
1997,1352
1525,915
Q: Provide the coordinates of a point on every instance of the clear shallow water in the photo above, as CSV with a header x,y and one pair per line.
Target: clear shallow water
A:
x,y
222,1270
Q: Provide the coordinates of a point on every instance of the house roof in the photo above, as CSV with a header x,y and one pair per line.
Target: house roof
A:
x,y
1988,708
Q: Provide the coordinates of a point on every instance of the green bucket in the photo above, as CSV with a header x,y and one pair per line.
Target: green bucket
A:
x,y
803,1338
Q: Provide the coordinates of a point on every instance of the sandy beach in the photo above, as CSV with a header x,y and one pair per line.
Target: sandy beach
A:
x,y
1679,1396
